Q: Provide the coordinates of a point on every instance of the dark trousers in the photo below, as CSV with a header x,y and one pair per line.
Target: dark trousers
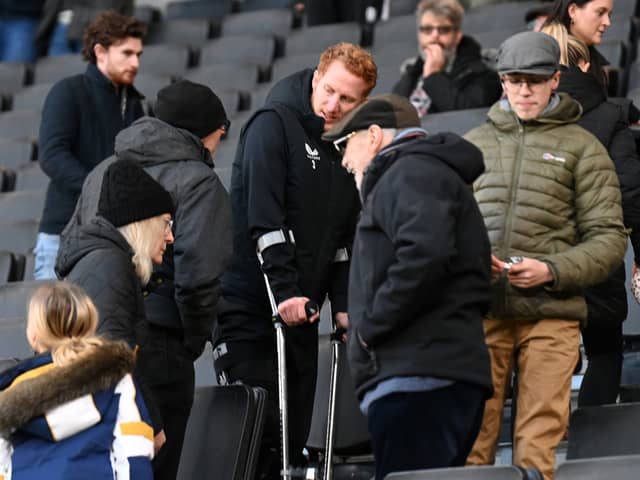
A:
x,y
254,363
603,346
167,369
420,430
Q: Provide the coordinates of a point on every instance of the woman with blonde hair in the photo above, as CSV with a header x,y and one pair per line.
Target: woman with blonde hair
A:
x,y
607,301
73,411
112,256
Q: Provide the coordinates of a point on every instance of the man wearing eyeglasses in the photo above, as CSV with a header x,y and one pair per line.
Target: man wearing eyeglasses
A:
x,y
449,73
176,148
551,203
419,289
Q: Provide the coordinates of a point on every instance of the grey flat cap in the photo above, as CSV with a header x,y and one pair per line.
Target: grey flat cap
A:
x,y
534,53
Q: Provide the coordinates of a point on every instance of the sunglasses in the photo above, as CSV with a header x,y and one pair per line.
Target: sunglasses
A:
x,y
441,29
341,143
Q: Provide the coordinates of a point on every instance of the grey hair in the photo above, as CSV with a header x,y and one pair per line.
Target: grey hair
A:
x,y
450,9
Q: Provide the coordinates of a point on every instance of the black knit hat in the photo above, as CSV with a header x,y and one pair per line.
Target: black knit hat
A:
x,y
191,106
130,194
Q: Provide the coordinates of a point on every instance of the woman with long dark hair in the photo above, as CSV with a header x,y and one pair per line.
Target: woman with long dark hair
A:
x,y
587,20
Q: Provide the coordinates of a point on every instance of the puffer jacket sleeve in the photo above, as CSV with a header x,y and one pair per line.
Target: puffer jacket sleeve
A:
x,y
114,290
602,242
201,250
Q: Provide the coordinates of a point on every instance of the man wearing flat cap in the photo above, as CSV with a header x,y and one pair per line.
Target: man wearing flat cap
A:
x,y
551,204
176,149
419,286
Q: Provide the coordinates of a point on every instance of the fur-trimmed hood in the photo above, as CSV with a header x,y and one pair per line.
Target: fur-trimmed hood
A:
x,y
30,398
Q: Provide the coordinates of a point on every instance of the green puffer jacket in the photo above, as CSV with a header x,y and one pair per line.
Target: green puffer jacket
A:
x,y
549,192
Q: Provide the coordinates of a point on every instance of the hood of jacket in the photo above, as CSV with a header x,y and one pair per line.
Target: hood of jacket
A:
x,y
460,155
99,370
97,234
583,87
150,141
295,92
567,110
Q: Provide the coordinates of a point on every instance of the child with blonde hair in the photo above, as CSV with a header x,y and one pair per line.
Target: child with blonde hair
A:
x,y
73,411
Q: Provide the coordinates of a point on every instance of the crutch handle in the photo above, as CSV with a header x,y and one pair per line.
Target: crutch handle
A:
x,y
311,308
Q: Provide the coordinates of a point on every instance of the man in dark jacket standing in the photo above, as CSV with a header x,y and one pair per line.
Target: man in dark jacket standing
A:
x,y
420,286
80,119
292,199
176,149
449,73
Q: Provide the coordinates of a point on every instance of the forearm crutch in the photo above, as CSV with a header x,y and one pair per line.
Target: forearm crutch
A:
x,y
266,241
336,340
342,255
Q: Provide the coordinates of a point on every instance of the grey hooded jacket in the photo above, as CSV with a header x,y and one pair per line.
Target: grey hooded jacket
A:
x,y
184,290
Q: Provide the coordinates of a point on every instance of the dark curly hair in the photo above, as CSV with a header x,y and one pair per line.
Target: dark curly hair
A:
x,y
108,28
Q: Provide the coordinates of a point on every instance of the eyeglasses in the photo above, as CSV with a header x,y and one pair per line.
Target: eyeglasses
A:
x,y
168,225
441,29
226,125
533,83
341,143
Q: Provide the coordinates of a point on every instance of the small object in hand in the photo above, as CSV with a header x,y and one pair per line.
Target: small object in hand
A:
x,y
511,260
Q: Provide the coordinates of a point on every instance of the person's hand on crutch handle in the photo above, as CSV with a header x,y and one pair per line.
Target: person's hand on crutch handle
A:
x,y
298,310
342,325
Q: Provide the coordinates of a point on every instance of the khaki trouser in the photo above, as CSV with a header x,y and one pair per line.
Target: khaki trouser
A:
x,y
546,352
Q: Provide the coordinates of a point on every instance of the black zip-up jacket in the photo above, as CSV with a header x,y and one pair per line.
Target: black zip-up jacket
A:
x,y
609,123
184,290
285,177
470,84
420,274
80,119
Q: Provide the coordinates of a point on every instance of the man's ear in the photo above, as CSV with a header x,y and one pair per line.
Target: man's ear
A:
x,y
375,136
315,79
555,80
100,51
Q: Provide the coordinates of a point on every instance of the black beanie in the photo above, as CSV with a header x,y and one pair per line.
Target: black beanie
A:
x,y
130,194
191,106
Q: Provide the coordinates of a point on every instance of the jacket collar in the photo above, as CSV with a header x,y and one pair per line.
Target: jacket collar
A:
x,y
101,369
96,76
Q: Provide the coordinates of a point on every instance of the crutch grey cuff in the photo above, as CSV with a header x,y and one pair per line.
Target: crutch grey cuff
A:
x,y
342,255
275,237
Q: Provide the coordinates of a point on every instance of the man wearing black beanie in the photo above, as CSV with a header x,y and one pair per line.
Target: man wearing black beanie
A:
x,y
176,149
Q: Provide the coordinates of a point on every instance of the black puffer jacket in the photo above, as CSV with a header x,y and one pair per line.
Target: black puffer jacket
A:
x,y
184,290
285,177
608,121
98,258
420,274
470,84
